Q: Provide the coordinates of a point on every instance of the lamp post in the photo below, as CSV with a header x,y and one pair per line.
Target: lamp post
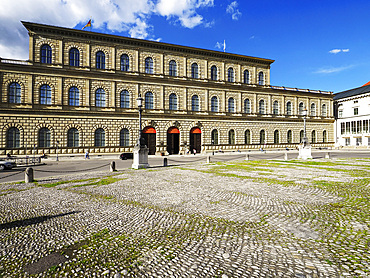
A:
x,y
305,147
140,150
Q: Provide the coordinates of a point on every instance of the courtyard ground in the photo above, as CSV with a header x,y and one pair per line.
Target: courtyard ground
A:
x,y
268,218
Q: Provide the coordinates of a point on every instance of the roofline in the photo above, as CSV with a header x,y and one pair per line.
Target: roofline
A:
x,y
87,35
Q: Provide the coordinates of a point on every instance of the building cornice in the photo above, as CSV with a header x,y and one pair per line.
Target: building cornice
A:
x,y
35,28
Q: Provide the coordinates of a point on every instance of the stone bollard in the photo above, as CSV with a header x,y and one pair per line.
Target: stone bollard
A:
x,y
165,162
208,159
247,157
286,156
113,166
327,155
28,175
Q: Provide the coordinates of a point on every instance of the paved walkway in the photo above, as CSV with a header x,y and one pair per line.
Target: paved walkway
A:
x,y
231,219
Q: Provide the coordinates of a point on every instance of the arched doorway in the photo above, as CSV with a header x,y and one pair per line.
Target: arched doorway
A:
x,y
173,140
195,139
148,134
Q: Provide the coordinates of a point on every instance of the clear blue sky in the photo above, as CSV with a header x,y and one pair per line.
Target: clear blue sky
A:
x,y
316,44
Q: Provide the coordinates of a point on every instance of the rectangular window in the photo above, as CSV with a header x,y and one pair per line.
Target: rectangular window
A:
x,y
348,127
365,126
358,141
368,141
340,114
342,128
355,111
347,141
358,127
353,125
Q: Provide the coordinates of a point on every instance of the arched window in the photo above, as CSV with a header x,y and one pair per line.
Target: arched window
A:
x,y
46,54
289,108
74,57
301,134
45,94
100,60
300,108
231,137
213,73
73,138
246,77
214,104
14,95
99,137
149,65
276,137
12,138
313,136
173,101
214,137
231,105
261,106
289,137
125,62
275,107
324,137
230,75
100,98
247,137
125,99
173,68
73,96
124,137
247,106
262,137
323,110
194,103
44,138
194,70
149,104
261,80
313,109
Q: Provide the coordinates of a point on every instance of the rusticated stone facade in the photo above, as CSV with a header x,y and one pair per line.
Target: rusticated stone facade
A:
x,y
84,98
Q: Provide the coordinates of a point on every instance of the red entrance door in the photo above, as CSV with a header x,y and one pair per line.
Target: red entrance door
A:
x,y
195,139
173,140
149,136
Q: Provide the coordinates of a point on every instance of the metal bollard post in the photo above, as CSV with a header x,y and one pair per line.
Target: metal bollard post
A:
x,y
28,175
327,155
208,159
113,166
247,157
286,156
165,162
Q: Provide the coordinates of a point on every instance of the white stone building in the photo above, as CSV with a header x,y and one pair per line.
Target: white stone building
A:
x,y
352,111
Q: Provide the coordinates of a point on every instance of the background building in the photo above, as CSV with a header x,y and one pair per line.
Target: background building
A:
x,y
352,109
78,92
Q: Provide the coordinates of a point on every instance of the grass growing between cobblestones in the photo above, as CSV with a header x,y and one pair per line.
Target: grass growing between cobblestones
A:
x,y
167,236
344,225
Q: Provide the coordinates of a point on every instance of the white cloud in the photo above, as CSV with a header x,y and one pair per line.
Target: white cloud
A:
x,y
233,10
329,70
132,16
336,50
183,10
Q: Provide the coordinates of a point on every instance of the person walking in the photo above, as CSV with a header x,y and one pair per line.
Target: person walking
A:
x,y
87,156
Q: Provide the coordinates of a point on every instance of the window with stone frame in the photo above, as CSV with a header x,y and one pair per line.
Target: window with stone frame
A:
x,y
73,140
46,54
14,93
13,138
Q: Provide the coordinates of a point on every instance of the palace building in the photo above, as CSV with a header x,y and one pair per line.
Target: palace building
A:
x,y
78,92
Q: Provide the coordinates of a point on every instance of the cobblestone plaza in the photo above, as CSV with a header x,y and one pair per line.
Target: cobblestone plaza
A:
x,y
230,219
